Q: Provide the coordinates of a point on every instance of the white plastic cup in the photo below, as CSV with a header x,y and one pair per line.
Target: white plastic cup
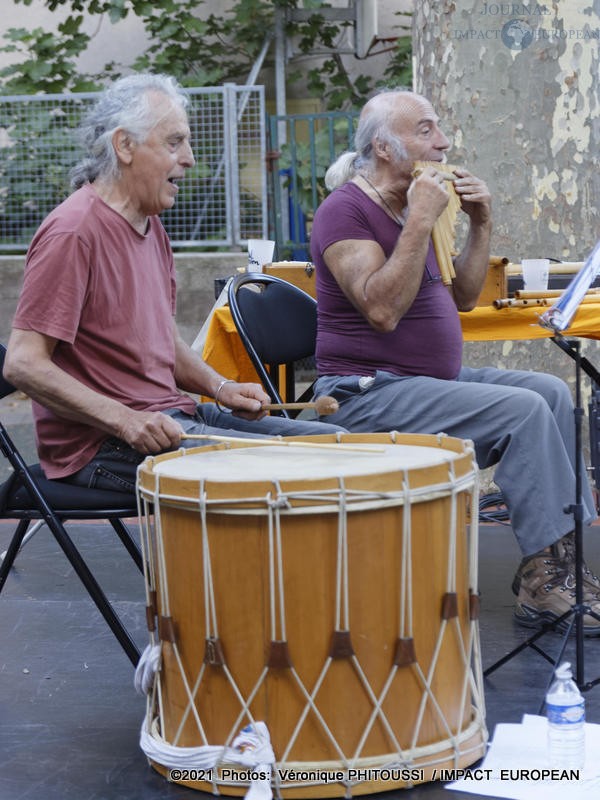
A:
x,y
260,252
535,274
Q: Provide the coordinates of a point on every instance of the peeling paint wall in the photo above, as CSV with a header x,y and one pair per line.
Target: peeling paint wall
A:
x,y
517,87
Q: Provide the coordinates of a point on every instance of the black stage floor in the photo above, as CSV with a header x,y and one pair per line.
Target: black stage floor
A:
x,y
69,715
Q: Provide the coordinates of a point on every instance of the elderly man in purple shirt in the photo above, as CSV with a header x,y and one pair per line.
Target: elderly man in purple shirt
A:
x,y
389,344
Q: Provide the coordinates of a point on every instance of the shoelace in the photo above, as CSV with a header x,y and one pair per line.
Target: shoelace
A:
x,y
569,545
564,580
559,576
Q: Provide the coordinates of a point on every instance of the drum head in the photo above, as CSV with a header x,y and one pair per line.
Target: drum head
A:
x,y
274,462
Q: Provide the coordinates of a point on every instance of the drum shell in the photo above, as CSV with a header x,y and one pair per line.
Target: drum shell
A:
x,y
276,576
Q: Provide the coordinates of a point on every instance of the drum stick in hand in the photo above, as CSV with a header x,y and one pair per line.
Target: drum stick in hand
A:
x,y
322,405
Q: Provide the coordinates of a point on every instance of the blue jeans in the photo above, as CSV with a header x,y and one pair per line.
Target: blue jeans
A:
x,y
115,464
113,468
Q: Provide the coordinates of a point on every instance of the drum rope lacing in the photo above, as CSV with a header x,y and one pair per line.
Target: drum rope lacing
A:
x,y
150,657
276,504
252,746
326,500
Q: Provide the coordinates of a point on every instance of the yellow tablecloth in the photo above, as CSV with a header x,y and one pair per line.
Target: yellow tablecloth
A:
x,y
224,350
487,323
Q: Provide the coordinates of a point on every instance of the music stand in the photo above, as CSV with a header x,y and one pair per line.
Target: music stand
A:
x,y
558,318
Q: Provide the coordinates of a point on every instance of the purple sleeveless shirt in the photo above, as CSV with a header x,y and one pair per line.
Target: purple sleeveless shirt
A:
x,y
426,341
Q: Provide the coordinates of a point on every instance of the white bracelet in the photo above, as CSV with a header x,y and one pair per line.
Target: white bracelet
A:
x,y
219,387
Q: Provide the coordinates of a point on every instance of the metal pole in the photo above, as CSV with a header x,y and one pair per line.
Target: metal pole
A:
x,y
281,111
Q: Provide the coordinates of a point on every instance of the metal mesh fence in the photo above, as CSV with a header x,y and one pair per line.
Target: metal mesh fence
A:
x,y
221,203
308,144
223,200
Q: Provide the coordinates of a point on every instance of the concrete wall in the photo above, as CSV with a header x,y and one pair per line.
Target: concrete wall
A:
x,y
11,271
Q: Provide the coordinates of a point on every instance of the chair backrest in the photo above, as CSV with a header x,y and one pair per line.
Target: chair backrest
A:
x,y
6,388
277,323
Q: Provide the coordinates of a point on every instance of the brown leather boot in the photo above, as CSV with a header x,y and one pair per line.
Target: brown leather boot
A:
x,y
564,549
547,591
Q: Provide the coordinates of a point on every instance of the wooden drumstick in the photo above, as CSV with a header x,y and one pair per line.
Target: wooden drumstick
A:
x,y
212,437
322,405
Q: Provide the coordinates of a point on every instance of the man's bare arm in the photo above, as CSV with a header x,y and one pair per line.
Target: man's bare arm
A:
x,y
29,367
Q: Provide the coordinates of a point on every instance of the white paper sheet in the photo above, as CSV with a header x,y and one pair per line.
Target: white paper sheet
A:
x,y
516,758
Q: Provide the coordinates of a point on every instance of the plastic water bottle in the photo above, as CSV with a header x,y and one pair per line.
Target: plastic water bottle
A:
x,y
566,719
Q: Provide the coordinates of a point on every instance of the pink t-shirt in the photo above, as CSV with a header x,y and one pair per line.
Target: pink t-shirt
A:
x,y
107,294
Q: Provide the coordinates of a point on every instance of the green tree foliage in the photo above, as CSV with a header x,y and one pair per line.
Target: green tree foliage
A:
x,y
184,40
48,63
199,49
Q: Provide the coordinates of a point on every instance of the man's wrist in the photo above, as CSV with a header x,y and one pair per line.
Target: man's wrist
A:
x,y
218,392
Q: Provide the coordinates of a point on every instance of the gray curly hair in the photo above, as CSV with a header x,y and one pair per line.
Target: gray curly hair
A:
x,y
126,104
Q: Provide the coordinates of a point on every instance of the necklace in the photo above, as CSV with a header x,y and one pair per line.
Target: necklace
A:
x,y
430,278
395,217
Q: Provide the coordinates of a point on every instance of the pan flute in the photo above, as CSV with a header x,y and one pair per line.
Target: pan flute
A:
x,y
443,233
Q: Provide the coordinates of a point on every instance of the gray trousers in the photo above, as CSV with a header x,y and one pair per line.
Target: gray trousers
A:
x,y
115,464
521,421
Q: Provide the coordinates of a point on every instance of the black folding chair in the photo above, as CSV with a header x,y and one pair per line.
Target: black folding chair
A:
x,y
277,323
28,496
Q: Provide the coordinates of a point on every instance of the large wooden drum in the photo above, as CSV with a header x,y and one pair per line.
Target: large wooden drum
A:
x,y
326,588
